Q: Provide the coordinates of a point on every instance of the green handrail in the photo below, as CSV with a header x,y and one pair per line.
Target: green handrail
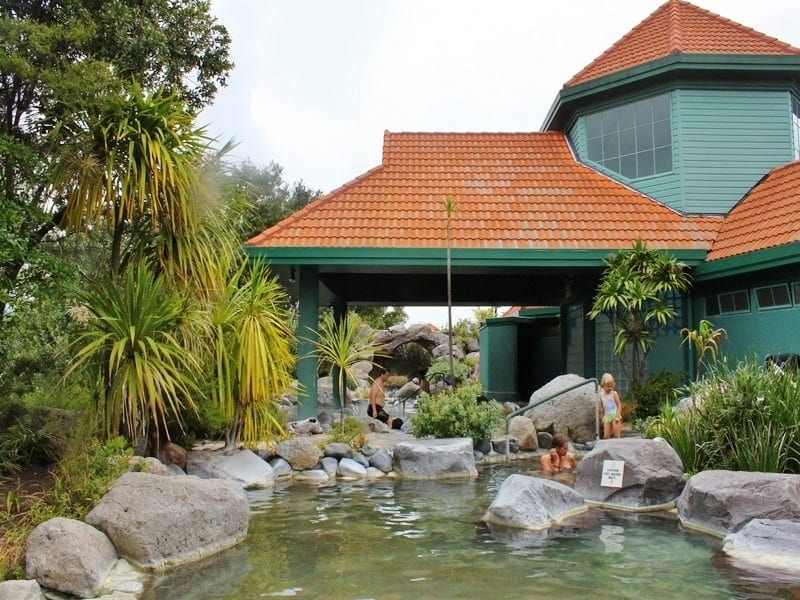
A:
x,y
527,407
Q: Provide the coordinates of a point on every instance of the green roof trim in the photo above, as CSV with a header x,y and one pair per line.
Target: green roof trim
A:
x,y
748,263
460,257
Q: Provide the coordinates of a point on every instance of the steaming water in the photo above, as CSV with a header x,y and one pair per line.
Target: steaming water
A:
x,y
402,540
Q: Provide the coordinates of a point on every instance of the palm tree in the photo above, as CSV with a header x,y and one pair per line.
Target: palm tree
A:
x,y
129,162
143,371
705,339
247,337
633,294
342,344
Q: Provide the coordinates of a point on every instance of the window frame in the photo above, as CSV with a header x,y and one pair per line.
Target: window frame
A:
x,y
732,295
785,287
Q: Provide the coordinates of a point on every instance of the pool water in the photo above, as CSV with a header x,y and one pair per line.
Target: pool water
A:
x,y
395,539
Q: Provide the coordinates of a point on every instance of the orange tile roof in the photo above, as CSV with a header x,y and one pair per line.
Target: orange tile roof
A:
x,y
678,27
766,218
511,191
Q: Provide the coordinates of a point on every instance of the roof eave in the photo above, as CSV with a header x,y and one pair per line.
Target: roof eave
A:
x,y
741,264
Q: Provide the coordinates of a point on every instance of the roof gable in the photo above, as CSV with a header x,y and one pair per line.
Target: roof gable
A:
x,y
766,218
678,27
511,191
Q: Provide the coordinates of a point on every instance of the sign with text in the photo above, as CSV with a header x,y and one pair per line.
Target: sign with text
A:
x,y
612,473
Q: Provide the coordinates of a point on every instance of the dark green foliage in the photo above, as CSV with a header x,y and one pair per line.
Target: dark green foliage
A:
x,y
410,360
656,390
456,413
747,419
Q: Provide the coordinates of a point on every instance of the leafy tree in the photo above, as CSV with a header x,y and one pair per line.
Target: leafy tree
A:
x,y
381,317
77,50
270,197
633,294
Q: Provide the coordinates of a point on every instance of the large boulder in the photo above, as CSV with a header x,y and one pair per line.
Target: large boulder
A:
x,y
652,474
244,467
70,556
573,413
161,522
434,459
533,503
721,502
300,452
774,544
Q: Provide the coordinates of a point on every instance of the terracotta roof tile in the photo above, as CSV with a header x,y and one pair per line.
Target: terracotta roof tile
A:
x,y
678,27
766,218
511,190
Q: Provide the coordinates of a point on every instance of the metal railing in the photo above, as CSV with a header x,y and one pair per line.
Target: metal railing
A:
x,y
528,407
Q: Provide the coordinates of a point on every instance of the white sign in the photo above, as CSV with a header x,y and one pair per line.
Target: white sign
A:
x,y
612,473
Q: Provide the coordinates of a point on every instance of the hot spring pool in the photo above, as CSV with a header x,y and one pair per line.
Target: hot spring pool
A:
x,y
395,539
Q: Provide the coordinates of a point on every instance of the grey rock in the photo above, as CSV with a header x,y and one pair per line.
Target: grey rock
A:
x,y
330,465
161,522
721,502
652,474
544,439
434,459
21,589
770,543
70,556
302,453
381,459
368,450
574,413
338,450
280,468
243,467
350,468
533,503
361,459
521,429
305,427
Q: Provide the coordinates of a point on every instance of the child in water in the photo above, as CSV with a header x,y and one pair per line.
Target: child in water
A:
x,y
611,407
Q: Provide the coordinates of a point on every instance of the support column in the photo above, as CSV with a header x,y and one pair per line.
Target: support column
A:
x,y
307,327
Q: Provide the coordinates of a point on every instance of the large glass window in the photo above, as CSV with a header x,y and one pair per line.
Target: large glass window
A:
x,y
634,140
796,126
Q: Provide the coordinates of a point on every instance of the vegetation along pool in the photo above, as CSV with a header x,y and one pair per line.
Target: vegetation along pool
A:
x,y
395,539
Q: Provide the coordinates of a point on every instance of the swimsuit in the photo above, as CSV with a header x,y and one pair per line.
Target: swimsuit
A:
x,y
609,407
381,416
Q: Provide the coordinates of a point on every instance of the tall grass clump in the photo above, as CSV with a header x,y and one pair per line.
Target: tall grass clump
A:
x,y
745,418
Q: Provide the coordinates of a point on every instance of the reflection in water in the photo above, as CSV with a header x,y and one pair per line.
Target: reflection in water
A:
x,y
396,539
612,538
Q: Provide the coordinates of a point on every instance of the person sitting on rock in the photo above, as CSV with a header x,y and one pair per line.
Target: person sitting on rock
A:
x,y
559,459
377,400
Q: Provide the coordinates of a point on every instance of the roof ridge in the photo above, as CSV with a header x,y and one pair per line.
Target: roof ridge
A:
x,y
675,37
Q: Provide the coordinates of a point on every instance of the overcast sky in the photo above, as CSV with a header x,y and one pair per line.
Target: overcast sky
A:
x,y
317,82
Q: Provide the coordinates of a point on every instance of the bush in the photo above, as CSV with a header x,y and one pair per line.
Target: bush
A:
x,y
747,419
456,413
657,389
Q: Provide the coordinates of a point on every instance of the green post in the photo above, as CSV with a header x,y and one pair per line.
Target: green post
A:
x,y
307,324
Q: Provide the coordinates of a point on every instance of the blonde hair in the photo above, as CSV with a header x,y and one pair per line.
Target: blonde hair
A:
x,y
606,378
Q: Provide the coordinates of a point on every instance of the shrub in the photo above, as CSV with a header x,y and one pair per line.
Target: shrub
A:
x,y
440,371
456,413
747,419
354,434
658,388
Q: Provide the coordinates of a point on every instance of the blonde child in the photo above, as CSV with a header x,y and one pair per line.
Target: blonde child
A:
x,y
611,407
